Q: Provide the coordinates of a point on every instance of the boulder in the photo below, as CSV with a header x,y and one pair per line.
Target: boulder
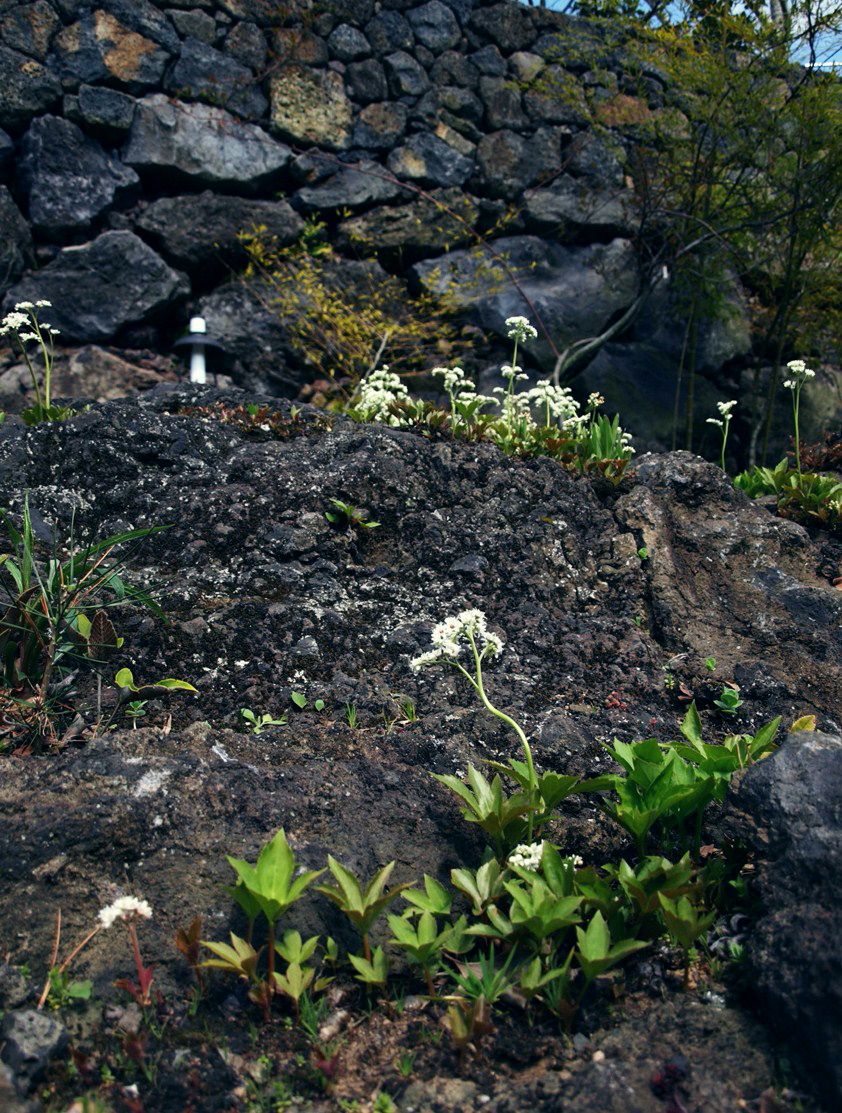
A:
x,y
68,179
200,233
98,47
247,43
366,81
453,68
195,24
427,159
507,26
442,220
788,808
311,106
16,249
26,88
576,290
556,97
202,73
407,77
7,150
348,44
380,126
106,114
435,26
508,162
352,188
388,32
502,101
145,18
29,28
573,211
30,1040
198,143
98,288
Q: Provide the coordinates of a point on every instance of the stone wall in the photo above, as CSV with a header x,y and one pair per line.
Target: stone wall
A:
x,y
137,139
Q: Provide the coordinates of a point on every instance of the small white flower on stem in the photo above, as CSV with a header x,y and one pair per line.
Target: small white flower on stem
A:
x,y
527,856
520,329
124,908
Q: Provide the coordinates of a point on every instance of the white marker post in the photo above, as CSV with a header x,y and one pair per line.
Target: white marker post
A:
x,y
198,367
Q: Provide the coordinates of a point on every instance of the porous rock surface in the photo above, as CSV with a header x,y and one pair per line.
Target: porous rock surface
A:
x,y
266,597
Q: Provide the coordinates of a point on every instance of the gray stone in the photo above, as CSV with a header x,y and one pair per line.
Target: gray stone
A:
x,y
489,61
380,126
426,158
508,26
526,66
788,807
98,288
453,68
595,157
572,210
67,178
195,24
435,26
30,1040
351,188
389,31
200,143
200,234
247,43
29,28
579,45
366,81
101,48
347,43
509,163
145,18
406,77
107,114
291,45
357,12
442,220
202,73
576,290
556,97
461,102
26,88
7,149
501,97
311,106
16,250
262,12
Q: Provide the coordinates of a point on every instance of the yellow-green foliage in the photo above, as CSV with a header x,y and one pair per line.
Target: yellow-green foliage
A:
x,y
341,329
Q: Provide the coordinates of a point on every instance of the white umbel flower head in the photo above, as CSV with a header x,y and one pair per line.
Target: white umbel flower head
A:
x,y
451,636
520,329
124,908
527,856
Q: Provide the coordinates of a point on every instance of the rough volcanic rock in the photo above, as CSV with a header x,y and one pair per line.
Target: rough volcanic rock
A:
x,y
350,188
98,288
68,179
7,148
380,126
443,219
202,73
29,28
26,88
311,106
30,1039
407,77
427,159
16,248
199,233
200,143
106,114
575,211
788,806
348,44
99,47
508,162
576,290
435,26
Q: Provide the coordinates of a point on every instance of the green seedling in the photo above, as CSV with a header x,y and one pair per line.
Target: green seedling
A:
x,y
256,724
351,716
134,710
349,516
684,924
126,684
362,906
729,700
422,942
595,951
63,991
501,817
371,969
482,886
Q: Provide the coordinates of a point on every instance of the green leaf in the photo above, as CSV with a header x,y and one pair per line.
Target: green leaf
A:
x,y
298,699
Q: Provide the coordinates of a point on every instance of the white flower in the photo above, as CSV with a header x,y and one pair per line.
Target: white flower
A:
x,y
450,635
801,372
124,908
595,401
527,856
520,329
14,322
797,365
715,421
726,407
42,303
24,305
455,379
575,860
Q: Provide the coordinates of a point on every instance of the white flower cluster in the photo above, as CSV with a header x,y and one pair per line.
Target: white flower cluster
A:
x,y
24,316
595,400
575,860
801,373
527,856
520,329
725,409
124,908
449,638
557,402
454,379
378,392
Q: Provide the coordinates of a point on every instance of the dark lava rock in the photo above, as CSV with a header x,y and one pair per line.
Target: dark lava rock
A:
x,y
430,160
107,114
30,1039
29,28
16,248
200,143
789,807
202,73
199,233
435,26
26,88
352,188
68,178
430,224
98,288
100,47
